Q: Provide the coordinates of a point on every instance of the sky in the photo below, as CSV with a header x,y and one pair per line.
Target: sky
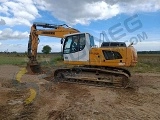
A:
x,y
128,21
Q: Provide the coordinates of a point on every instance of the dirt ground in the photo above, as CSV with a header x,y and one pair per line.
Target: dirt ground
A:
x,y
62,101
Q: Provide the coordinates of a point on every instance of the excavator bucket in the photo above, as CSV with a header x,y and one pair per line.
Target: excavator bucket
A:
x,y
34,68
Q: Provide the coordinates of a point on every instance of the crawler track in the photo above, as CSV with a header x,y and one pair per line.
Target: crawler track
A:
x,y
118,78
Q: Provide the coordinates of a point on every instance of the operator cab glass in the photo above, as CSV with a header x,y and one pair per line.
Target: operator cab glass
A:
x,y
77,42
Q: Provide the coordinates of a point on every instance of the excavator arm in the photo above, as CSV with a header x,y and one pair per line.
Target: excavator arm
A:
x,y
50,30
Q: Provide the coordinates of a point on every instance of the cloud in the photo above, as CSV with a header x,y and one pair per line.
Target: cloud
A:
x,y
74,12
2,22
18,12
8,33
83,12
24,12
148,46
139,6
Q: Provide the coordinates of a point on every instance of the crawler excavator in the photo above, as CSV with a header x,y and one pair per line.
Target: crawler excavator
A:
x,y
92,65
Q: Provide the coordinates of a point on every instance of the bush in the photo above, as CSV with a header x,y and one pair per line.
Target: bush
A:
x,y
57,59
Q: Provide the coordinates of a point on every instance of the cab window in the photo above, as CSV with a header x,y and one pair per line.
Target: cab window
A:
x,y
74,43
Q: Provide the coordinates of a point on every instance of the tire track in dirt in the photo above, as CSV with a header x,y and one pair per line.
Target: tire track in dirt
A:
x,y
73,95
137,104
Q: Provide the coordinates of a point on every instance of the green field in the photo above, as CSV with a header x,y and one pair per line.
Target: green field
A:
x,y
146,62
12,59
21,59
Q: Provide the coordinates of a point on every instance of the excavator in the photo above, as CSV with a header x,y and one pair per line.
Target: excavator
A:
x,y
92,65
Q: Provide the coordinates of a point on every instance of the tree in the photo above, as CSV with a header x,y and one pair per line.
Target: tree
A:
x,y
46,49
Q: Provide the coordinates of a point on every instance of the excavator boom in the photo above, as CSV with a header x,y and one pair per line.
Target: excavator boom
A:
x,y
50,30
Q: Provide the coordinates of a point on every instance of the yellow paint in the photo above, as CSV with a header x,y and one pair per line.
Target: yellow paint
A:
x,y
20,74
31,97
76,62
32,91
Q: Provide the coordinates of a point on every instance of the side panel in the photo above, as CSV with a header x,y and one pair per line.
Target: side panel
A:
x,y
132,56
71,57
98,58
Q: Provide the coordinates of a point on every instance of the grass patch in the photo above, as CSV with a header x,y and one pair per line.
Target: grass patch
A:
x,y
147,63
12,60
57,59
51,61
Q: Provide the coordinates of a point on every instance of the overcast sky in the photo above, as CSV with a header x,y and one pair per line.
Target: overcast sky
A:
x,y
136,20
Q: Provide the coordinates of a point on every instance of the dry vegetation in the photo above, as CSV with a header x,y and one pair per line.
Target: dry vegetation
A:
x,y
147,63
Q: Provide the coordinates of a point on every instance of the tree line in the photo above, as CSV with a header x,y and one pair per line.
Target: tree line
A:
x,y
148,52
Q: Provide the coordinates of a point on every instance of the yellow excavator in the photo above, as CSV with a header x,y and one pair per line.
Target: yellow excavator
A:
x,y
100,66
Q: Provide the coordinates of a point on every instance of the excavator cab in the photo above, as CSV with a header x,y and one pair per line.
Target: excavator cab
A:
x,y
76,48
113,54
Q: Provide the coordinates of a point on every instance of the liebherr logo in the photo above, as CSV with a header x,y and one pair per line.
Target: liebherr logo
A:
x,y
52,33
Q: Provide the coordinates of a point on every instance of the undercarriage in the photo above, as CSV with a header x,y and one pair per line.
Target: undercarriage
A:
x,y
106,76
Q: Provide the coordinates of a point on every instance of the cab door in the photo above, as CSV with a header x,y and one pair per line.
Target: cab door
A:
x,y
70,50
76,48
